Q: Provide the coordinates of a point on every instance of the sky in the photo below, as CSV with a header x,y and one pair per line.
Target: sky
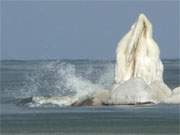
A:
x,y
82,29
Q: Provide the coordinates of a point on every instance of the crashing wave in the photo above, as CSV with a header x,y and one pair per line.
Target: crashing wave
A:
x,y
138,75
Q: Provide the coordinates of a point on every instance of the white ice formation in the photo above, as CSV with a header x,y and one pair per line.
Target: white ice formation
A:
x,y
174,98
139,70
137,54
138,73
133,91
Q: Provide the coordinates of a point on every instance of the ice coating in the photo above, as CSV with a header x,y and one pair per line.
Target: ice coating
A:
x,y
133,91
137,54
174,98
138,75
139,70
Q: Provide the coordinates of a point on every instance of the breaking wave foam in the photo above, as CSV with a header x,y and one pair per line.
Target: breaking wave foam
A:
x,y
63,80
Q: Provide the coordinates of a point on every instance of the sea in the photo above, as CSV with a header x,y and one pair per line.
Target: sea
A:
x,y
21,79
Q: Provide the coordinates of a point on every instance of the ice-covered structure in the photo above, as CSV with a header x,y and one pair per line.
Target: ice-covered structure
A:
x,y
137,54
138,74
138,70
174,98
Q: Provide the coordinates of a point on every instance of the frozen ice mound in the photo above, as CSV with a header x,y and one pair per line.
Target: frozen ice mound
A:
x,y
137,91
174,98
160,90
139,70
133,91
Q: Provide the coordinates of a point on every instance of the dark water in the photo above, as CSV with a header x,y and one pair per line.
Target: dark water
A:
x,y
54,77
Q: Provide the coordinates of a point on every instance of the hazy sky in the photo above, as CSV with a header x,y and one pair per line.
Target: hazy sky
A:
x,y
78,30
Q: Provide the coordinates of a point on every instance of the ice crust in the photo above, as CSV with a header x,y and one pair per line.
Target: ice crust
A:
x,y
138,74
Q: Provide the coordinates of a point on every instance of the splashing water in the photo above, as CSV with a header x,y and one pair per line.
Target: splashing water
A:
x,y
65,79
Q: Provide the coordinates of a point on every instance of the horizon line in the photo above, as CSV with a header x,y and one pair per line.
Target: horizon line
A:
x,y
98,59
